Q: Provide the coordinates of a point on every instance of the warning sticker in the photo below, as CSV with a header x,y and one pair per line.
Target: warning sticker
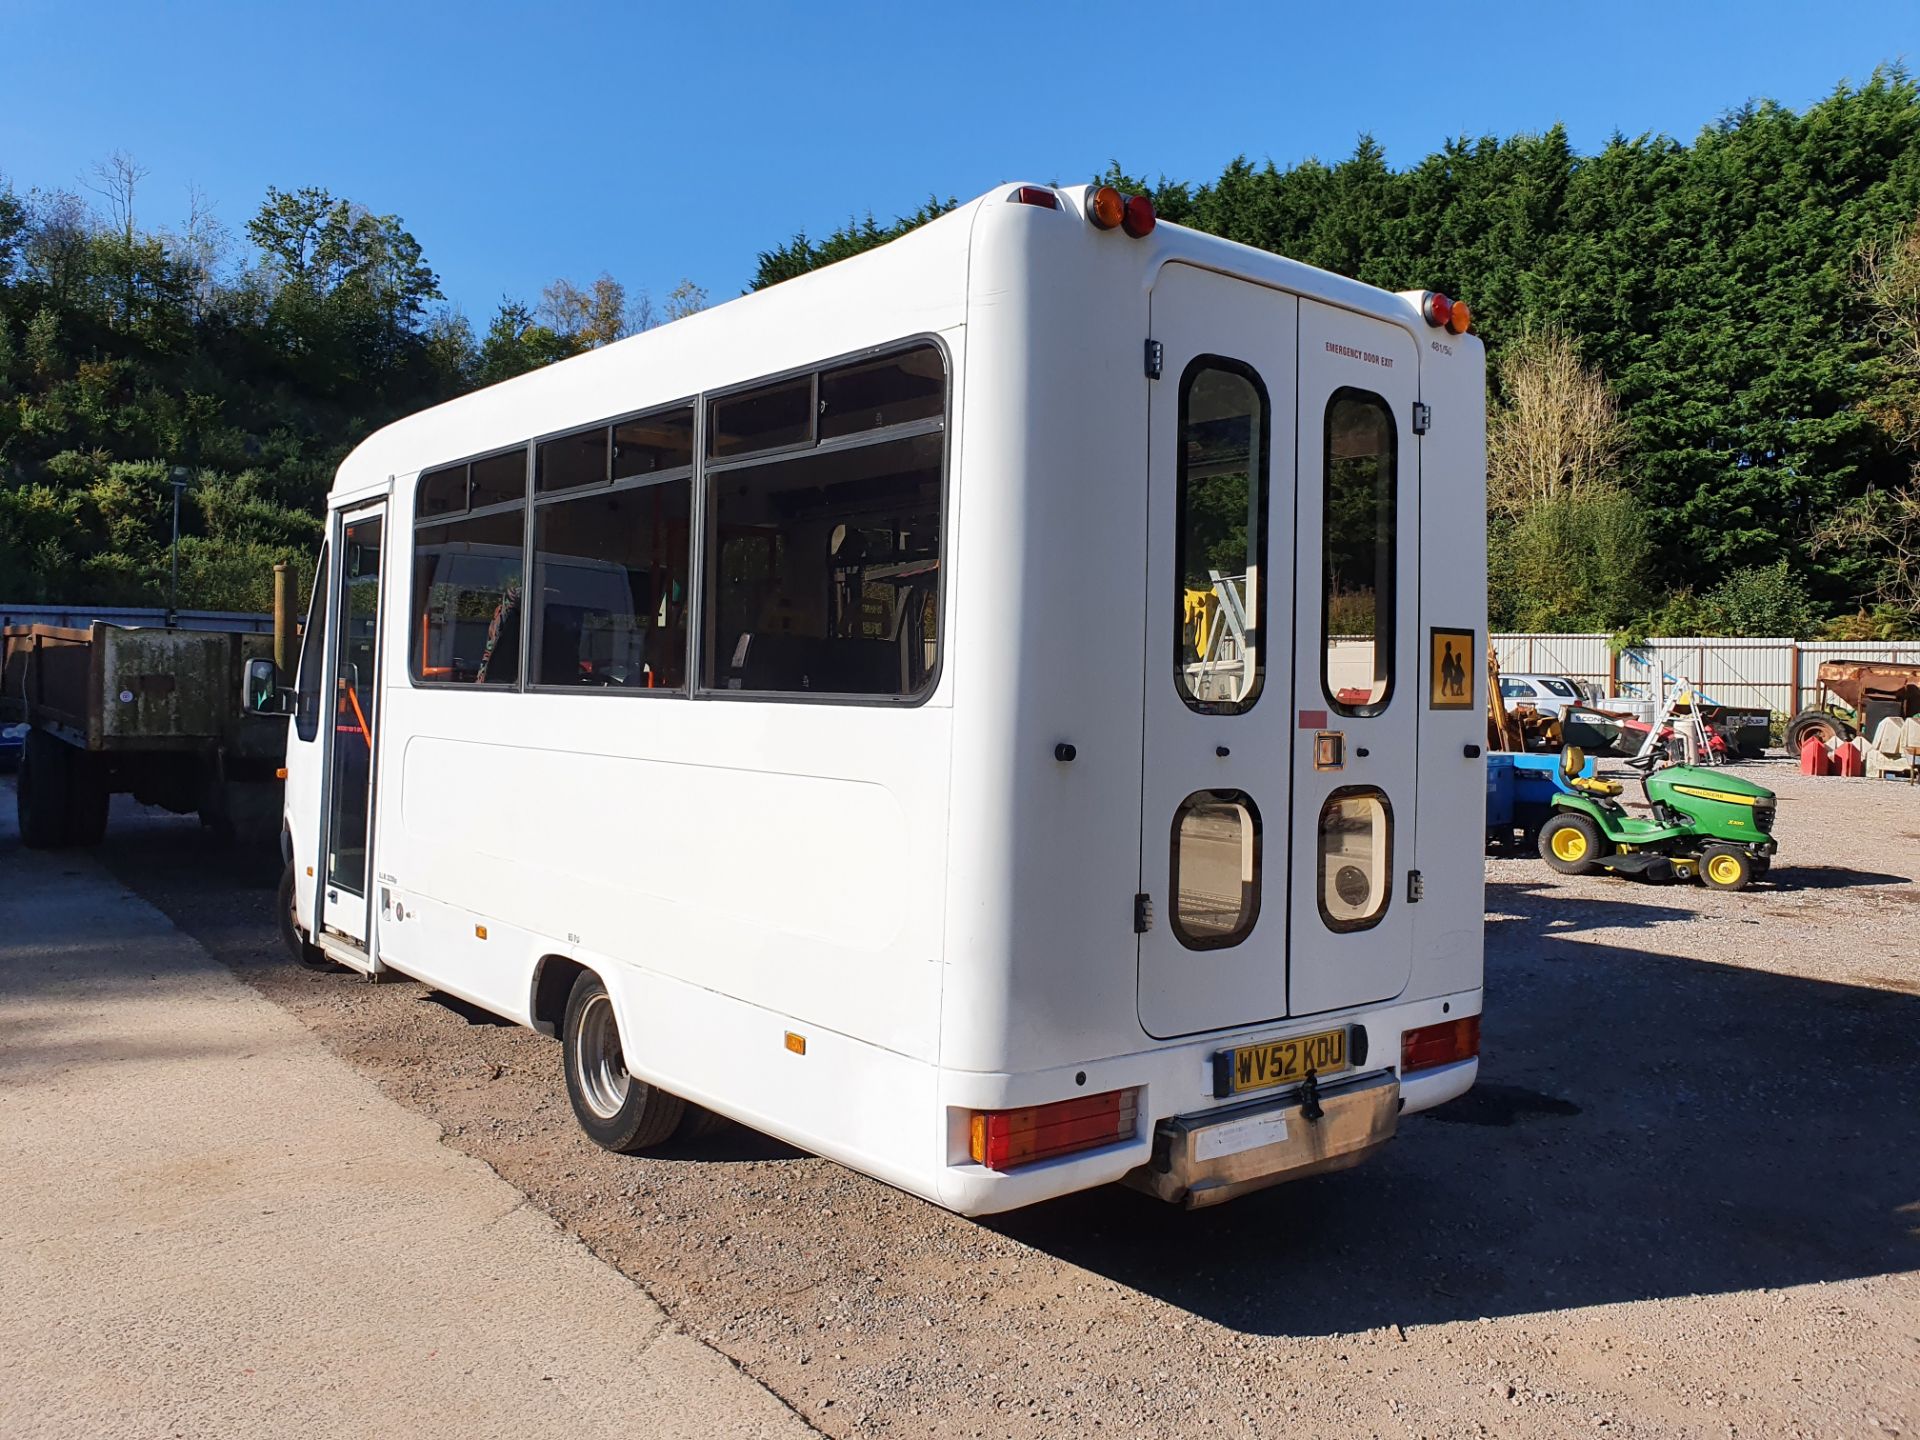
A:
x,y
1449,680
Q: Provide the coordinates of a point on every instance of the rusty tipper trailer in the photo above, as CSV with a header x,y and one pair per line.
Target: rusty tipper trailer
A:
x,y
148,711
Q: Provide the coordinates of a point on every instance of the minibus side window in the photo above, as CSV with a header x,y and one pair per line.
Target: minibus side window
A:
x,y
313,654
823,563
1356,858
610,571
1358,552
1216,869
1220,537
467,606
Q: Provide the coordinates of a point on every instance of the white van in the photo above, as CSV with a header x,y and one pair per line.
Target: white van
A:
x,y
898,710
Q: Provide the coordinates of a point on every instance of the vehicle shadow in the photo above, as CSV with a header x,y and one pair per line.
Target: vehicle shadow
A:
x,y
1829,877
1646,1126
1600,902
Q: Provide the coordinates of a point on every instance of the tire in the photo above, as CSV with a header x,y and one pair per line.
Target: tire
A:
x,y
700,1122
1823,723
1568,842
87,797
1723,867
298,949
40,792
619,1111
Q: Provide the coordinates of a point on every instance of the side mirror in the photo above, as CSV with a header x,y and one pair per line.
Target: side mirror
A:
x,y
261,692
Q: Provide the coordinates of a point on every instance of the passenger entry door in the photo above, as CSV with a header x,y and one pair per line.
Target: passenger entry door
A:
x,y
1218,641
1356,671
352,720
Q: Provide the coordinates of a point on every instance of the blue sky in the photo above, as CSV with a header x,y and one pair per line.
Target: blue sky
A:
x,y
519,143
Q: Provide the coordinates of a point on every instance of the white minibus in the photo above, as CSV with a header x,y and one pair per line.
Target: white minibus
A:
x,y
1001,711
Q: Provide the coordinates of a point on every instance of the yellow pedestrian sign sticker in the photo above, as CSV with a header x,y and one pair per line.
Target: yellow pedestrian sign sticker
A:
x,y
1449,678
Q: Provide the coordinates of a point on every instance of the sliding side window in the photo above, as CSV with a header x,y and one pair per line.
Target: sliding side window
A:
x,y
824,560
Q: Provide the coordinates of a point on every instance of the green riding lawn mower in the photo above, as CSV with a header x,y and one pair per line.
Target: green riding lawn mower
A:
x,y
1705,824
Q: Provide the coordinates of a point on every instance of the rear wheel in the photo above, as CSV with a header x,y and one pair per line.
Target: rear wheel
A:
x,y
40,792
1725,868
617,1110
1571,844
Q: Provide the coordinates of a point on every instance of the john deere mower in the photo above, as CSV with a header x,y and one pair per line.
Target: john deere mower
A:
x,y
1705,824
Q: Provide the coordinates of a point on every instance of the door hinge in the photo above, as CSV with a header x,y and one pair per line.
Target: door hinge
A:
x,y
1156,357
1422,417
1142,914
1416,887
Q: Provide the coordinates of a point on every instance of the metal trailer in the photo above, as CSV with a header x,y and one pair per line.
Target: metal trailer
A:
x,y
150,712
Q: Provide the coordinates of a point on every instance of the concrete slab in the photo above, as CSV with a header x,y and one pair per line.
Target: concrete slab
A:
x,y
211,1226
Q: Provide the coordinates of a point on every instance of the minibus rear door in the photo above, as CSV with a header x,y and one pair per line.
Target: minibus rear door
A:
x,y
1212,912
1356,672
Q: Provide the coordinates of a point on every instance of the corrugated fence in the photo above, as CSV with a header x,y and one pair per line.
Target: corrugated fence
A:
x,y
1776,674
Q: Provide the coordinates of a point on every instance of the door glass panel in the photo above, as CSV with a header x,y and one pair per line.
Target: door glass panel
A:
x,y
1356,858
1357,560
1216,869
1220,535
353,709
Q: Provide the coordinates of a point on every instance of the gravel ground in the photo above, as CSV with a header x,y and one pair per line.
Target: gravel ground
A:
x,y
1683,1201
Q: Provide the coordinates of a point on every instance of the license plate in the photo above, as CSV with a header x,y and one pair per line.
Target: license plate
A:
x,y
1279,1062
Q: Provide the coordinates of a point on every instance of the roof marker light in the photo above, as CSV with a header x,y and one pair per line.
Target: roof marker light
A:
x,y
1105,207
1035,195
1137,218
1436,308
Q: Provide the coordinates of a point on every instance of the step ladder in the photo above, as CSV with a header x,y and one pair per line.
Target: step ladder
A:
x,y
1690,728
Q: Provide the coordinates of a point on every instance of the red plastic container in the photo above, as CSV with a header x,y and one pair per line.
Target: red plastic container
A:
x,y
1848,761
1814,759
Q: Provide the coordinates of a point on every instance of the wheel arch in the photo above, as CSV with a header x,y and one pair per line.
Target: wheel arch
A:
x,y
553,981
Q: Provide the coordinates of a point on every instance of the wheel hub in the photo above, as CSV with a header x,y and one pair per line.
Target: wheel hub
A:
x,y
600,1067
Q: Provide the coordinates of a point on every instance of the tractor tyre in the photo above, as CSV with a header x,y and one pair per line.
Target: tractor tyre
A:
x,y
1570,843
40,792
1823,725
1723,867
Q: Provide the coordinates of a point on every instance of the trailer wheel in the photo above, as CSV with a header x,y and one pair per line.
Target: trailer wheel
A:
x,y
40,792
1823,725
298,948
87,797
1570,844
1725,868
619,1111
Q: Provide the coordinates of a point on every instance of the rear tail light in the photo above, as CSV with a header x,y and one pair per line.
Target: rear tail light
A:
x,y
1436,308
1035,195
1137,216
1440,1044
1004,1139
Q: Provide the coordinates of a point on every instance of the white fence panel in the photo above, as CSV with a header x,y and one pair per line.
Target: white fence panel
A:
x,y
1755,673
1579,657
1774,673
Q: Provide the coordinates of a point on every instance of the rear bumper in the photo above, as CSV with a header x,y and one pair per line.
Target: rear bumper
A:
x,y
1206,1158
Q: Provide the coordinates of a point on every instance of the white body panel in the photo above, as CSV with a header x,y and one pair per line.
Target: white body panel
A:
x,y
940,905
